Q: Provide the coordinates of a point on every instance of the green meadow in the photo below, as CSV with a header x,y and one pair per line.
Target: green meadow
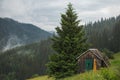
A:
x,y
111,73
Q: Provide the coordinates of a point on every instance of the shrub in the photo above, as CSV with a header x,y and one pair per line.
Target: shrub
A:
x,y
108,53
108,74
35,75
118,72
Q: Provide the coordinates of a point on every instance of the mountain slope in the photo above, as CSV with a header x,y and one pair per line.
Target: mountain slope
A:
x,y
111,73
13,33
23,62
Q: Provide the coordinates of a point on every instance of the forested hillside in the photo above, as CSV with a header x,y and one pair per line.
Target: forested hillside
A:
x,y
70,50
25,61
104,33
111,73
13,33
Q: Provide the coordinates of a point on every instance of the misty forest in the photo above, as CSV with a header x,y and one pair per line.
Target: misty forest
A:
x,y
27,51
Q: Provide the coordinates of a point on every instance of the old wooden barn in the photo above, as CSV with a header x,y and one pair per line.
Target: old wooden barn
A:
x,y
92,59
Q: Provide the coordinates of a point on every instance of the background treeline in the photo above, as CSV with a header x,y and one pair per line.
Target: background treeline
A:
x,y
104,33
25,61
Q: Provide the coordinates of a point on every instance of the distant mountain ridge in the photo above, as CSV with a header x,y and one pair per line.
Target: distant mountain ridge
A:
x,y
14,33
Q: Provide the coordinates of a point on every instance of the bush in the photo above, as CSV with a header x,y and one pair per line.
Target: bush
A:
x,y
35,75
118,72
108,74
108,53
10,76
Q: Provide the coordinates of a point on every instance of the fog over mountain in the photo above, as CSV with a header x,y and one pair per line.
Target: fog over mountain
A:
x,y
13,34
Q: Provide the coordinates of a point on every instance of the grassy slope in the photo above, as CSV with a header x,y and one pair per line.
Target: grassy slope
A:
x,y
91,75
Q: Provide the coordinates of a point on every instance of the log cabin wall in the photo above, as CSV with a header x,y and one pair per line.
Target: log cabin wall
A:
x,y
88,55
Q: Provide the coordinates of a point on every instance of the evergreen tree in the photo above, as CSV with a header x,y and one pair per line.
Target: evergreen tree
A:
x,y
100,33
68,43
116,36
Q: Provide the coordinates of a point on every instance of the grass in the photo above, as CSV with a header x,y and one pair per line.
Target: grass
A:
x,y
42,78
103,74
116,61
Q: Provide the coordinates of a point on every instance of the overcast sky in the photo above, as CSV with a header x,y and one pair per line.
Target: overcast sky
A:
x,y
46,13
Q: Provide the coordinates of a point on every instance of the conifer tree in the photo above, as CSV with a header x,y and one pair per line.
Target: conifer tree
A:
x,y
116,36
68,44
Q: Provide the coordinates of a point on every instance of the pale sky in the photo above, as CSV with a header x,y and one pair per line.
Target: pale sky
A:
x,y
46,13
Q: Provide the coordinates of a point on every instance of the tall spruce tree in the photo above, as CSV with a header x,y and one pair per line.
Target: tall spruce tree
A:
x,y
68,43
116,36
